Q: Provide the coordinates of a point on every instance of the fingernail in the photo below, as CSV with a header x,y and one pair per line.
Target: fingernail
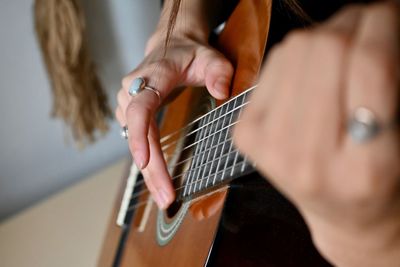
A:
x,y
163,198
138,160
221,86
156,198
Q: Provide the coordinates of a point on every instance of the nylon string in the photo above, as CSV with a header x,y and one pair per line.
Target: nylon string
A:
x,y
166,138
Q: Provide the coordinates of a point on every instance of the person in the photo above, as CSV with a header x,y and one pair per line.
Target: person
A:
x,y
326,106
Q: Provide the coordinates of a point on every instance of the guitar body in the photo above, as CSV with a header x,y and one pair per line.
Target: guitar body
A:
x,y
245,223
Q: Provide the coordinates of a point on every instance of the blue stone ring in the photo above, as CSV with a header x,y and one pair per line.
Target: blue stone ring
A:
x,y
363,126
124,132
138,85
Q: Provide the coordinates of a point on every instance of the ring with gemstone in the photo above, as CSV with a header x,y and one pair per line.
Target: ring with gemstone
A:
x,y
363,125
124,132
139,84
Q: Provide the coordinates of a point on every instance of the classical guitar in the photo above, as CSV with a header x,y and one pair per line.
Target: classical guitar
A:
x,y
224,214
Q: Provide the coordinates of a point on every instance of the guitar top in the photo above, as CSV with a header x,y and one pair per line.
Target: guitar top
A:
x,y
225,214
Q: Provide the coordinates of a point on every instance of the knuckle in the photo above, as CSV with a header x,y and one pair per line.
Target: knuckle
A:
x,y
121,97
377,62
296,37
126,81
331,41
164,65
118,114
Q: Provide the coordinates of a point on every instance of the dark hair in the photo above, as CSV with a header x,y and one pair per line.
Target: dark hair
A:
x,y
171,22
293,5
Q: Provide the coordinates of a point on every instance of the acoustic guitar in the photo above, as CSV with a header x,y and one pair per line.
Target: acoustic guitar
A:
x,y
225,214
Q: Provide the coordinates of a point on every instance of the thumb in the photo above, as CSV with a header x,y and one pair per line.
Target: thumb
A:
x,y
217,71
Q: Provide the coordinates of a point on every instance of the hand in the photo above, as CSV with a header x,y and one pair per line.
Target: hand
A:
x,y
295,131
189,61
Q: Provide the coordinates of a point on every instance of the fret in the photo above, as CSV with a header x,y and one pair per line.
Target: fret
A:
x,y
189,176
218,142
224,133
198,152
234,162
237,152
210,123
209,146
215,158
229,132
244,164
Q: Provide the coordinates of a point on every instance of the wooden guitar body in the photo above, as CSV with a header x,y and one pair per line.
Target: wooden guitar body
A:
x,y
246,223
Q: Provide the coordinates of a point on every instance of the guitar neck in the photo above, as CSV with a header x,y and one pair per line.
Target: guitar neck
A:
x,y
215,160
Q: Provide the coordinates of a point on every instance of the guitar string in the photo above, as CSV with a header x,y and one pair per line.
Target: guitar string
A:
x,y
187,171
134,206
205,125
187,147
194,143
169,136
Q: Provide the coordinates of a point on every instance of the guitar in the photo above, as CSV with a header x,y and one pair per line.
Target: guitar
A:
x,y
225,214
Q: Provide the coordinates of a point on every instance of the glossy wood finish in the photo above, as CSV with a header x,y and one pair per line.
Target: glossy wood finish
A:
x,y
191,244
243,40
114,232
245,44
259,227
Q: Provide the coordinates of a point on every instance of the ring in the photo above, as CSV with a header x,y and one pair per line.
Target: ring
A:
x,y
363,125
138,85
124,132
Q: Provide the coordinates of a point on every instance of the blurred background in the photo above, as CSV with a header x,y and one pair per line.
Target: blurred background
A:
x,y
56,201
36,158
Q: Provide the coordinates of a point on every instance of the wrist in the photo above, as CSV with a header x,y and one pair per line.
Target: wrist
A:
x,y
192,22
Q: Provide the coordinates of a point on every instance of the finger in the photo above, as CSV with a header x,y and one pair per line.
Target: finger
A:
x,y
123,98
216,71
344,22
374,63
119,114
323,81
142,107
273,89
373,83
156,173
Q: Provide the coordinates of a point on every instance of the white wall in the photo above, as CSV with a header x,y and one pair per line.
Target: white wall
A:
x,y
35,160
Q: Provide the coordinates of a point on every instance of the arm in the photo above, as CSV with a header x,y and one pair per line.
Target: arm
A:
x,y
296,130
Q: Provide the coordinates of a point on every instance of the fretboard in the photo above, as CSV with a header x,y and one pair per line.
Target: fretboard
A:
x,y
215,160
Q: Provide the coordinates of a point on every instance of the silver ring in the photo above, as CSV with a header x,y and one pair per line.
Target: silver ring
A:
x,y
363,125
154,91
124,132
138,85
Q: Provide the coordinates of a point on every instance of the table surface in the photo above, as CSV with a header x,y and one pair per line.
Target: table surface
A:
x,y
66,229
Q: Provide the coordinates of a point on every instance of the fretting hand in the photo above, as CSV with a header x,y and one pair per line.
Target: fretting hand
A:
x,y
296,131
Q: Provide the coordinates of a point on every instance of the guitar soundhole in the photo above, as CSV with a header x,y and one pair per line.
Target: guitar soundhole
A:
x,y
183,160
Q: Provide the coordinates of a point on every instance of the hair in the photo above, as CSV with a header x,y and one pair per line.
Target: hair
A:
x,y
292,5
78,97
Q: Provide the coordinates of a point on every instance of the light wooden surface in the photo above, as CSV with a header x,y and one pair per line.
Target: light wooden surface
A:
x,y
66,229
